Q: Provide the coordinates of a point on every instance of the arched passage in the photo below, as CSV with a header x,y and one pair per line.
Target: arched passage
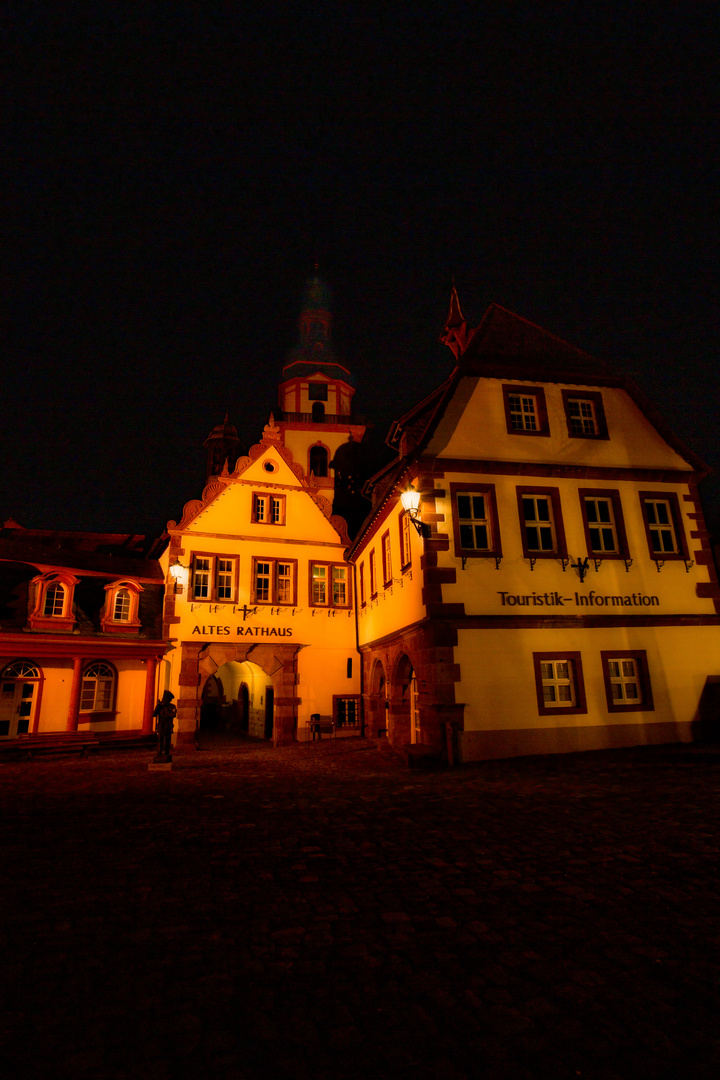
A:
x,y
242,708
257,667
404,725
376,701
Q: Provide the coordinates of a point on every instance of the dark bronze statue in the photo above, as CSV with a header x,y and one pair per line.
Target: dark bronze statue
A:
x,y
165,712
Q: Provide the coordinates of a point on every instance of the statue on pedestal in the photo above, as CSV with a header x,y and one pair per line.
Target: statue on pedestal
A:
x,y
165,712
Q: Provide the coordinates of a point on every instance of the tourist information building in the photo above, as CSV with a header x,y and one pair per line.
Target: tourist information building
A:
x,y
554,590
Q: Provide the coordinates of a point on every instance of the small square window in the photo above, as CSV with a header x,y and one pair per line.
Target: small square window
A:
x,y
525,410
585,414
627,681
317,391
559,683
268,509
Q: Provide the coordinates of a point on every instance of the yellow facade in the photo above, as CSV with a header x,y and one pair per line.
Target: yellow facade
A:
x,y
566,597
259,587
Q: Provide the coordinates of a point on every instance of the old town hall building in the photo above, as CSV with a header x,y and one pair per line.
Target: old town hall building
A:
x,y
533,574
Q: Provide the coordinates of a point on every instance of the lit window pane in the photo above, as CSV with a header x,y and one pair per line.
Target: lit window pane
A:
x,y
319,584
284,583
339,585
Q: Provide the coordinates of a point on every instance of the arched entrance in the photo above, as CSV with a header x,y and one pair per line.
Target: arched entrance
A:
x,y
245,672
377,703
20,685
241,694
404,715
211,718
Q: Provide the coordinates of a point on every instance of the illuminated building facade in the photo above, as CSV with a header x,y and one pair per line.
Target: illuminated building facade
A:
x,y
552,590
260,606
564,596
80,632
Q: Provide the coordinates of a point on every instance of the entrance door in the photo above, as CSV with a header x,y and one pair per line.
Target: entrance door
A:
x,y
269,702
17,706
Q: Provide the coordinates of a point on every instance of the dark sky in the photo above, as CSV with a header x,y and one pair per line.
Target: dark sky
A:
x,y
171,171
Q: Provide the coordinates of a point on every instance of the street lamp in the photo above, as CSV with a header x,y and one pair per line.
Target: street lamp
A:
x,y
180,574
410,499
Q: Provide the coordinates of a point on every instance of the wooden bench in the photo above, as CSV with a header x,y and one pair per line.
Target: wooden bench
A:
x,y
50,742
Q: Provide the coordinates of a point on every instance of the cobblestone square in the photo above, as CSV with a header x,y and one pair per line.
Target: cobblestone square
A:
x,y
321,912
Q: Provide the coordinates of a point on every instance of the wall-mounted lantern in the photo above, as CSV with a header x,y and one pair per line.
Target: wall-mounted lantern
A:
x,y
410,500
180,574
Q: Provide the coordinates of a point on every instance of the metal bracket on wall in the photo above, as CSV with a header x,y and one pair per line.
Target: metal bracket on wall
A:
x,y
498,560
565,562
659,563
628,563
689,563
597,563
464,560
581,566
532,562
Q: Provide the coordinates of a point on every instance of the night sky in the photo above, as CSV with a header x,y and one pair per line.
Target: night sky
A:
x,y
172,171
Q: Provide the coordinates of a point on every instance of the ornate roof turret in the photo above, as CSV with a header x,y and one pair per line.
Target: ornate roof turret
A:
x,y
222,445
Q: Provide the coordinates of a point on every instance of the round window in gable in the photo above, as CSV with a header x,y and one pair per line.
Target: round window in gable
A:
x,y
270,466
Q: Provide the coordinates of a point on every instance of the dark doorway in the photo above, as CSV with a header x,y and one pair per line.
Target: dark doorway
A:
x,y
212,697
269,701
244,708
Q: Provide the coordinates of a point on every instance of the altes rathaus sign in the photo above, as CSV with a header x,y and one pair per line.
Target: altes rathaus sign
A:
x,y
589,599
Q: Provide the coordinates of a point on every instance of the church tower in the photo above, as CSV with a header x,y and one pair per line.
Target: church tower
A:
x,y
315,400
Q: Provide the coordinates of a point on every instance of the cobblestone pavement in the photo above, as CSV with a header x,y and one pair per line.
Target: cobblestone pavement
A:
x,y
320,912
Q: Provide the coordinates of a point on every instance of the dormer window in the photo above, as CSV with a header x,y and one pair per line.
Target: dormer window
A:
x,y
120,614
585,414
121,611
53,601
525,410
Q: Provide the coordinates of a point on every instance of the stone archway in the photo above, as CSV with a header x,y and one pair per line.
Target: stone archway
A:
x,y
212,699
199,662
403,724
376,701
